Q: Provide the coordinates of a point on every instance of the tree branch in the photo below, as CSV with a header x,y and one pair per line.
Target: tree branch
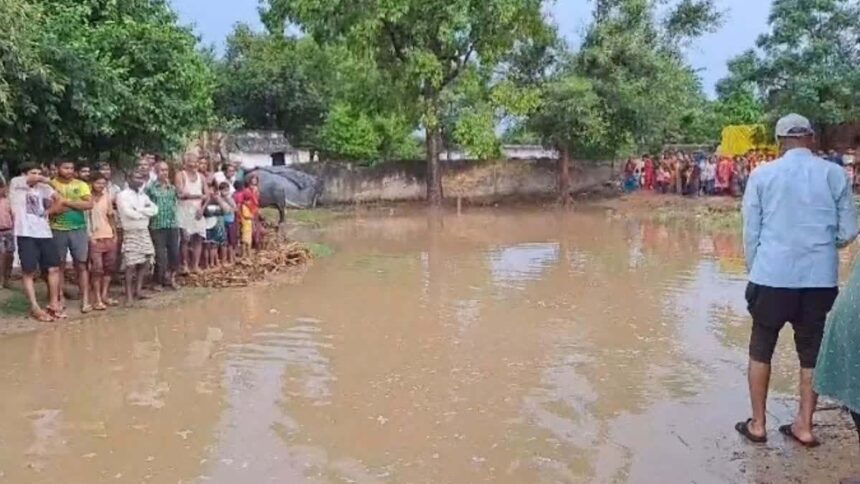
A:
x,y
460,66
395,45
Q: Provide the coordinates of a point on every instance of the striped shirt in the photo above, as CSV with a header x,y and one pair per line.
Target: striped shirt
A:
x,y
165,198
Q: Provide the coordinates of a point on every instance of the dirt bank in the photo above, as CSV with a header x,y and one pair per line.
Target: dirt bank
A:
x,y
710,213
282,262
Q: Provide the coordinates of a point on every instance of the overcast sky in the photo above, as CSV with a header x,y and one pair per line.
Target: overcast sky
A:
x,y
746,20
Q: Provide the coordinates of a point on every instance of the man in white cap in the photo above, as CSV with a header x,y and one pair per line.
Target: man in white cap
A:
x,y
798,211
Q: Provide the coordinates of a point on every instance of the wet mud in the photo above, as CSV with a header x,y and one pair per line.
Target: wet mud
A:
x,y
502,346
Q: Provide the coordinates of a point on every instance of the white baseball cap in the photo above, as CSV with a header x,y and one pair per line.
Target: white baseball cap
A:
x,y
793,126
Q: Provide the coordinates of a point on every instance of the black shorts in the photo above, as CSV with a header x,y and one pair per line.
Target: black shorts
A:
x,y
37,254
805,309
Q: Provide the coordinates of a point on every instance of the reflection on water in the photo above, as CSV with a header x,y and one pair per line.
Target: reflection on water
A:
x,y
493,347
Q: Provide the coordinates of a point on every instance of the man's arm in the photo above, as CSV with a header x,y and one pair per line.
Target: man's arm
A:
x,y
126,210
752,217
846,215
149,209
86,201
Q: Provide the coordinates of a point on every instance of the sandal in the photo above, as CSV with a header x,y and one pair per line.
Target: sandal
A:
x,y
789,432
41,316
100,307
87,309
111,302
743,428
57,314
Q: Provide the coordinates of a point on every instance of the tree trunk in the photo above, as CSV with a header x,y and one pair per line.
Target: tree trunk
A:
x,y
434,174
563,176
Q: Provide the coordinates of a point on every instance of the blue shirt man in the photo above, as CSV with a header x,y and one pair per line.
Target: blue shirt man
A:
x,y
797,212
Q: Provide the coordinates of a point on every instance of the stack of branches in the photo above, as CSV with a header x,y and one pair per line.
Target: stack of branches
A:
x,y
273,258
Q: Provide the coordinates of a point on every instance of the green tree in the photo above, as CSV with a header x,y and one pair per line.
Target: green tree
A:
x,y
635,63
810,60
571,114
739,100
423,45
270,80
350,133
117,77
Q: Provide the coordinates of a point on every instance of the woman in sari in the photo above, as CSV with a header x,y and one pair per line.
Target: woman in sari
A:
x,y
649,173
724,176
837,373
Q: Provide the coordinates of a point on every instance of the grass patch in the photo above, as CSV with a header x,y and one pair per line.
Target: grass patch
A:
x,y
320,251
702,217
313,217
16,304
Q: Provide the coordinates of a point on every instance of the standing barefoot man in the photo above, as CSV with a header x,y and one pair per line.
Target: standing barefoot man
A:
x,y
135,210
797,212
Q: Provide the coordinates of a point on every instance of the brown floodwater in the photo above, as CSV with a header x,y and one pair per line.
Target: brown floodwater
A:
x,y
510,346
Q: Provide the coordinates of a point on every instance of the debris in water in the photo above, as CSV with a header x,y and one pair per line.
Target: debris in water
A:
x,y
271,260
184,434
382,420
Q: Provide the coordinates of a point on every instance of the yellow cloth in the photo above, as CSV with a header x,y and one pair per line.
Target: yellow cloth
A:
x,y
247,226
741,139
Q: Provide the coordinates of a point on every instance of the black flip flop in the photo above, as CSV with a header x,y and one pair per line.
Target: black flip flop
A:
x,y
788,432
743,428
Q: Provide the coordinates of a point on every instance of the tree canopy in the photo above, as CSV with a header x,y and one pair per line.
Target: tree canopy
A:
x,y
425,46
96,79
808,62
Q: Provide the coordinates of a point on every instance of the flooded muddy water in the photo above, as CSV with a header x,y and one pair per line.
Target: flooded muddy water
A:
x,y
497,346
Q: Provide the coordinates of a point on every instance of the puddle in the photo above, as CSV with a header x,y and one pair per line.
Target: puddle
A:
x,y
497,346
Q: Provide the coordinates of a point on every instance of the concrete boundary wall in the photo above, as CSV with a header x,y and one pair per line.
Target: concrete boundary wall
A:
x,y
470,180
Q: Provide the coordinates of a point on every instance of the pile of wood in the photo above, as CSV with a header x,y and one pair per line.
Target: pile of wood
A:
x,y
276,257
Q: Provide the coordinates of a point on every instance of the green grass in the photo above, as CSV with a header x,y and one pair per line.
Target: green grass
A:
x,y
15,304
313,217
701,217
320,251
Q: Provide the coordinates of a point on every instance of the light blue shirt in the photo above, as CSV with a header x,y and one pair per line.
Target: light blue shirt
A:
x,y
798,211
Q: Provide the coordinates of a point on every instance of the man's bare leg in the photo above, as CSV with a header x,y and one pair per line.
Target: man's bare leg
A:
x,y
5,269
29,283
802,427
129,284
142,270
55,294
83,283
98,280
759,381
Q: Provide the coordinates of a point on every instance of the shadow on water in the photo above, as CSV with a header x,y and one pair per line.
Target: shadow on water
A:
x,y
501,346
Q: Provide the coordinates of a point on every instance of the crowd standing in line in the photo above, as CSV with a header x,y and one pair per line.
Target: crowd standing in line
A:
x,y
700,174
157,227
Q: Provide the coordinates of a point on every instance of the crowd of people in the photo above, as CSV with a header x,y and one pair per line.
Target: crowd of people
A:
x,y
702,174
165,221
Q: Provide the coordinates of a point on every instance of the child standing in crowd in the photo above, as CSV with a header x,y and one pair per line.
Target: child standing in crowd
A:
x,y
135,210
33,200
7,237
228,251
164,228
249,209
216,232
102,242
69,226
663,178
